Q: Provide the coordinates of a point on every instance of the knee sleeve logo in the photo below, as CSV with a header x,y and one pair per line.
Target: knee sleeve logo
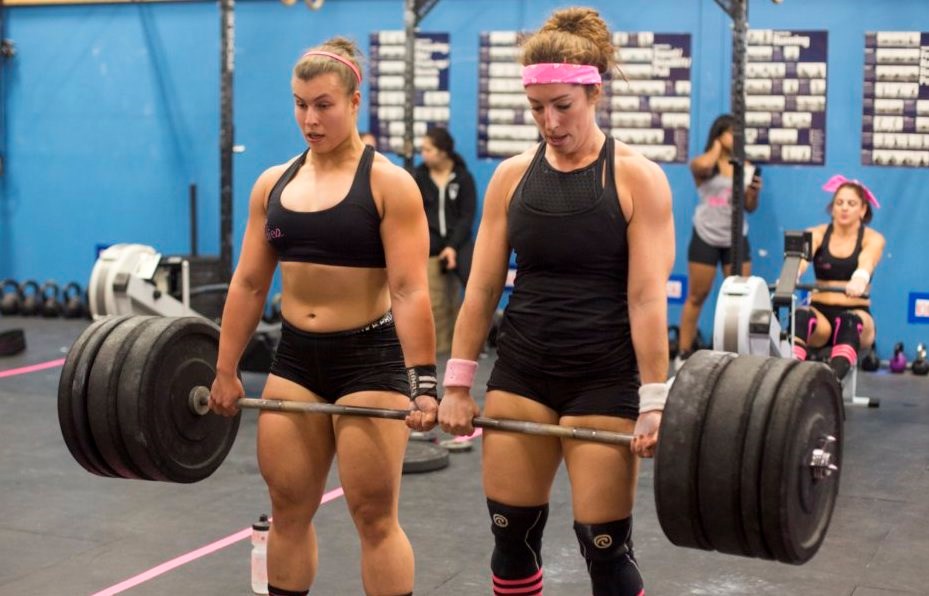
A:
x,y
500,521
603,541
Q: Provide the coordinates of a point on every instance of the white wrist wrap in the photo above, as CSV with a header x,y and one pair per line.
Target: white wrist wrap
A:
x,y
652,396
862,274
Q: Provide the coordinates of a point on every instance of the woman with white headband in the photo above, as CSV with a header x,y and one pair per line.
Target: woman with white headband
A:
x,y
583,341
350,234
845,253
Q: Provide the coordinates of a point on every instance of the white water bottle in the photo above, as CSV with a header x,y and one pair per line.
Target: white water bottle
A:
x,y
260,531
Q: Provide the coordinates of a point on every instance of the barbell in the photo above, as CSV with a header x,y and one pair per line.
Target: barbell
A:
x,y
747,463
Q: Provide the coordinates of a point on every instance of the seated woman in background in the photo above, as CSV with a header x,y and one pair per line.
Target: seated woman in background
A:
x,y
845,253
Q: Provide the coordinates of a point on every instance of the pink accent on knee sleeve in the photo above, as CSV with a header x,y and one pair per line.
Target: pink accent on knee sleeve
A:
x,y
799,352
516,587
810,326
845,351
459,373
835,331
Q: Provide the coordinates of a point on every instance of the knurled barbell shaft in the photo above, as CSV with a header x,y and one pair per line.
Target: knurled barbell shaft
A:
x,y
200,399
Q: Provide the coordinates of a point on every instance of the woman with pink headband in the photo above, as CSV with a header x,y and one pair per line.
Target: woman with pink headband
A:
x,y
845,253
583,340
350,234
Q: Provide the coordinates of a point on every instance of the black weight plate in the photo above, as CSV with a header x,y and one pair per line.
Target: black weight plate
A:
x,y
102,396
135,436
796,508
719,472
677,453
773,373
72,396
421,456
182,445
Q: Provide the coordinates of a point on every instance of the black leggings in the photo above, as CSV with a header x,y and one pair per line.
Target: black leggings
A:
x,y
335,364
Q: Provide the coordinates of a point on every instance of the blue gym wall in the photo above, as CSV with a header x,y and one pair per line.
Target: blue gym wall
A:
x,y
112,111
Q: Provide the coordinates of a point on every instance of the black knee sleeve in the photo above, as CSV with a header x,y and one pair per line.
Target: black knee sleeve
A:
x,y
846,339
517,541
804,323
607,548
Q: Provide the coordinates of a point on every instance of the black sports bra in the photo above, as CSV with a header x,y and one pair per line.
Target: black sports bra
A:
x,y
346,234
831,268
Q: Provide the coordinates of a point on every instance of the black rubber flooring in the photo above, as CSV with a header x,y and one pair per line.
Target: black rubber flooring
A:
x,y
64,531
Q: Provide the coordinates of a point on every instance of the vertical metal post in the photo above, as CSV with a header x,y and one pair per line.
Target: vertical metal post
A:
x,y
739,13
226,135
192,196
410,20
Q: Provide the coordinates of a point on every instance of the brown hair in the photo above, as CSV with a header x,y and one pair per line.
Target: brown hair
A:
x,y
868,214
574,36
311,66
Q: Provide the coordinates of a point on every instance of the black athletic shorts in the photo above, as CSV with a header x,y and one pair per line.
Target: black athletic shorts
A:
x,y
701,252
604,395
335,364
832,311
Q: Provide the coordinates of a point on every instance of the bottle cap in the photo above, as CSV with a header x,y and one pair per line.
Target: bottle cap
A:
x,y
262,524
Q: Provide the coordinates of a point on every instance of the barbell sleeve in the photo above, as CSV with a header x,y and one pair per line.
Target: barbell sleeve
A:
x,y
200,403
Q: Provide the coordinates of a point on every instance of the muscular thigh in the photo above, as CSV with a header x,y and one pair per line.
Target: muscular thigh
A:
x,y
370,450
603,477
518,469
294,450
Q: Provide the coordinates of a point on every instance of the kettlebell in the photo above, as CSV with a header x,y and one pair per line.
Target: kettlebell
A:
x,y
898,362
51,299
871,361
674,341
10,297
30,300
72,298
921,365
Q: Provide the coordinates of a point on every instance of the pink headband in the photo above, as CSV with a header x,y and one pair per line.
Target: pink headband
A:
x,y
551,73
341,59
838,180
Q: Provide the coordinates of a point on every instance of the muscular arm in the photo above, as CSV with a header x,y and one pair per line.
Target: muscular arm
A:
x,y
872,248
405,234
701,167
651,256
488,267
251,280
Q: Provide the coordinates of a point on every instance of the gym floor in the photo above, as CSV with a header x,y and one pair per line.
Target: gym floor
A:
x,y
65,531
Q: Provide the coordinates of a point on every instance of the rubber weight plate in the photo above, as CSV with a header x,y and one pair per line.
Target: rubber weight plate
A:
x,y
102,396
166,435
678,450
72,396
772,374
719,472
796,505
421,456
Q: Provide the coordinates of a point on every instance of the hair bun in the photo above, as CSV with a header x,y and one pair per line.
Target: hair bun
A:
x,y
575,21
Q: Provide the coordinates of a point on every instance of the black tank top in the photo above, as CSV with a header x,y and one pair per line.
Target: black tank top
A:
x,y
568,314
346,234
830,268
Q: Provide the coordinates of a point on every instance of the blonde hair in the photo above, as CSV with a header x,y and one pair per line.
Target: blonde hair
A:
x,y
311,66
574,36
